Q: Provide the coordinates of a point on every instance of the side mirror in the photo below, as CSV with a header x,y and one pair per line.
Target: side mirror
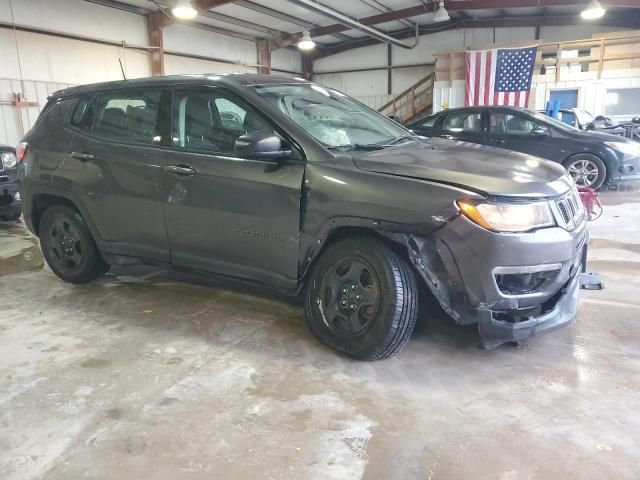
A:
x,y
540,132
590,126
261,145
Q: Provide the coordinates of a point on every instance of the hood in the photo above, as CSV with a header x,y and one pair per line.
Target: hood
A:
x,y
487,170
602,135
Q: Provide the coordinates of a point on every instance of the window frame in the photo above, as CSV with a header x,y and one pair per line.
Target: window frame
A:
x,y
89,116
297,151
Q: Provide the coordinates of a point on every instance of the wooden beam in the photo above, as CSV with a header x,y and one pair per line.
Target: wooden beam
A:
x,y
156,55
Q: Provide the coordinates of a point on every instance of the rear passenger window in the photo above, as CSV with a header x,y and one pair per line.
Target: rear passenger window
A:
x,y
429,122
463,122
127,116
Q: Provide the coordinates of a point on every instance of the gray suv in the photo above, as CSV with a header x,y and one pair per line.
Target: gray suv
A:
x,y
297,186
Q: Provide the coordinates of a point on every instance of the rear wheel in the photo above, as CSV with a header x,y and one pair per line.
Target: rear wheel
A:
x,y
68,246
361,299
586,170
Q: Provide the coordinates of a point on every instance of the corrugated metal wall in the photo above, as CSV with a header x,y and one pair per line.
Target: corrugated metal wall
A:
x,y
32,91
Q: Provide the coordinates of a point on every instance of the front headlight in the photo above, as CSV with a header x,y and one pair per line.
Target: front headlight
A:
x,y
508,217
628,148
8,159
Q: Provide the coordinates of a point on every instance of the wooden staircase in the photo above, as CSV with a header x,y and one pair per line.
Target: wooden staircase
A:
x,y
415,100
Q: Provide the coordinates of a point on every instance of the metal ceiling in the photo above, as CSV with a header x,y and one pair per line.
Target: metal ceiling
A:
x,y
340,25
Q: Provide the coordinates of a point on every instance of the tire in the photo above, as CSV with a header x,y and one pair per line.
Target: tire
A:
x,y
586,169
68,247
362,299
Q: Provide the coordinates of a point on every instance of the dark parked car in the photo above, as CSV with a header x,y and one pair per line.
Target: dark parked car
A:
x,y
591,158
10,202
297,186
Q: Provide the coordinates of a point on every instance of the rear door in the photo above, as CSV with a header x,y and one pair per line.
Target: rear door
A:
x,y
113,165
463,125
224,213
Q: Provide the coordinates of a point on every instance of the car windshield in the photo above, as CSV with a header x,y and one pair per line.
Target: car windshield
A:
x,y
584,117
559,124
333,118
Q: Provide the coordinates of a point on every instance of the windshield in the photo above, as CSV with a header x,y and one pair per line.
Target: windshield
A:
x,y
332,117
584,117
559,124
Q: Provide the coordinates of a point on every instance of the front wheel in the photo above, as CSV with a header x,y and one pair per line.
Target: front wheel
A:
x,y
362,299
586,170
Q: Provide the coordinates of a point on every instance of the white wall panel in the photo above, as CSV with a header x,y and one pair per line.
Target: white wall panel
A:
x,y
366,57
175,65
286,59
49,58
78,17
180,38
403,78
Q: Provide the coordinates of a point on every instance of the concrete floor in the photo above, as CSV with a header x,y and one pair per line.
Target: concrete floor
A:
x,y
150,374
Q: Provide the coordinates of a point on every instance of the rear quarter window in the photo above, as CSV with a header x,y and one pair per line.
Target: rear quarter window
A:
x,y
124,116
428,122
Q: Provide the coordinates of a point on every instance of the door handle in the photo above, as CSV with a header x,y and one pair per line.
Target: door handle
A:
x,y
499,141
83,156
448,137
182,170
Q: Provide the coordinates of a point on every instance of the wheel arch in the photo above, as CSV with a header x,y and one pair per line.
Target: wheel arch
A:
x,y
40,201
608,169
344,229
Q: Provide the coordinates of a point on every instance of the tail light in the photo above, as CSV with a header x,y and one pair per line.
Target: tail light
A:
x,y
21,151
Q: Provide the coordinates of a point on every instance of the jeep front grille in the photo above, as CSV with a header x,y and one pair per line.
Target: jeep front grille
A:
x,y
568,210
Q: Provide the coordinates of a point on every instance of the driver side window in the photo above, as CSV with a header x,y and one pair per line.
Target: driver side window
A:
x,y
211,122
508,124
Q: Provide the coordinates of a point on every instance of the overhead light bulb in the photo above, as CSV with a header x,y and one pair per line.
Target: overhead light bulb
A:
x,y
594,10
441,14
306,43
184,10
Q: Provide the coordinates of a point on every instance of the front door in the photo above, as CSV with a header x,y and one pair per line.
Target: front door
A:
x,y
227,214
113,164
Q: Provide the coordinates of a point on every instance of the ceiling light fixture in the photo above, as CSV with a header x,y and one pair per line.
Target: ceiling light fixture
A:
x,y
441,13
184,10
306,43
594,10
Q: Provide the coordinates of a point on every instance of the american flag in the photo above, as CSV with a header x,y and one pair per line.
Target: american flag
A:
x,y
501,76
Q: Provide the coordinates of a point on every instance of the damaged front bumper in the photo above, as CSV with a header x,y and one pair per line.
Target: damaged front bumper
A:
x,y
513,285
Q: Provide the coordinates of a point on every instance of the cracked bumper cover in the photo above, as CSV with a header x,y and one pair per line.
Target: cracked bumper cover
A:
x,y
460,264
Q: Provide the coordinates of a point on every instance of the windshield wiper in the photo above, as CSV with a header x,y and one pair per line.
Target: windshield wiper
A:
x,y
402,139
358,146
